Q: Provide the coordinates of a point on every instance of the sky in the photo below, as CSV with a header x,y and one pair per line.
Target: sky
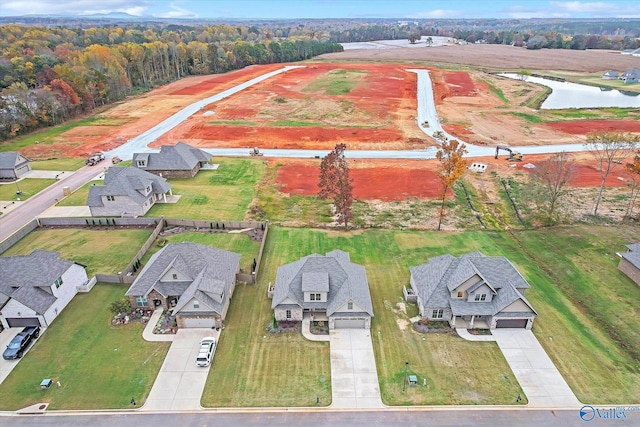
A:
x,y
291,9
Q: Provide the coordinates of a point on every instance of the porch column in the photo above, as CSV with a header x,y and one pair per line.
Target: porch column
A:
x,y
165,197
171,192
473,318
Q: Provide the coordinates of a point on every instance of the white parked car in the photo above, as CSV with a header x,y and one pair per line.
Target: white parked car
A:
x,y
205,354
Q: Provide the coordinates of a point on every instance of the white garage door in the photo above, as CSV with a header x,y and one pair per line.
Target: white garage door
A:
x,y
349,324
198,322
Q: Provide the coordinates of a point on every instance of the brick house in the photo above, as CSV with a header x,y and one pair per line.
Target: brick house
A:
x,y
173,161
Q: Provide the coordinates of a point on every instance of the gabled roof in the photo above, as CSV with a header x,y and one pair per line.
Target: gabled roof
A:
x,y
26,278
634,72
634,247
212,272
347,282
173,157
9,160
435,280
127,182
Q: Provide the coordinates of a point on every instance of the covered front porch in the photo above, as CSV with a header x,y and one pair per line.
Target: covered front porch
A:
x,y
470,322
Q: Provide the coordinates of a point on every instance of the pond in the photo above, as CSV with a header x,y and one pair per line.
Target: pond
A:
x,y
573,95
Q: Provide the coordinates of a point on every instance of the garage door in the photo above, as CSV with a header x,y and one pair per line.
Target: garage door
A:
x,y
512,323
349,324
21,322
198,322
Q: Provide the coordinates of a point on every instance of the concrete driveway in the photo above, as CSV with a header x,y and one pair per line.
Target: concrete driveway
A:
x,y
538,376
354,379
180,383
6,366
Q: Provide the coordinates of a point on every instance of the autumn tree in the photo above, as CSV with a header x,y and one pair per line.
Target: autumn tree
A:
x,y
413,37
634,169
452,167
553,175
335,183
609,149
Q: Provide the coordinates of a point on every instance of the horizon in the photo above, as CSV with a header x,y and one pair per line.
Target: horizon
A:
x,y
327,9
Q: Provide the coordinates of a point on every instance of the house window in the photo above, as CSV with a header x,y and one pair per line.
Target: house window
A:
x,y
196,304
349,306
460,294
58,282
141,162
111,198
288,313
312,297
437,314
175,276
142,302
481,297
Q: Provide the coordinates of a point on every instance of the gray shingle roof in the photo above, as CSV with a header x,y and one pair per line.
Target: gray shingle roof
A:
x,y
26,278
315,282
634,72
127,182
435,280
347,282
634,247
8,160
173,157
211,271
632,257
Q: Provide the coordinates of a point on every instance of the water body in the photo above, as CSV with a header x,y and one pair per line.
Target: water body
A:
x,y
573,95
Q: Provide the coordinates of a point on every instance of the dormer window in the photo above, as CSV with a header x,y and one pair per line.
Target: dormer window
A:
x,y
196,304
175,276
111,198
142,163
481,297
349,306
58,282
460,294
148,189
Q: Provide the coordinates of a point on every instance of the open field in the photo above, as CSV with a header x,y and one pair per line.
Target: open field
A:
x,y
105,251
99,366
28,186
62,164
79,197
583,343
222,194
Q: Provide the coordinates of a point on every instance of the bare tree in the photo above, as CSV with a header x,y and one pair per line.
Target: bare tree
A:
x,y
609,149
553,175
335,183
429,41
634,169
452,167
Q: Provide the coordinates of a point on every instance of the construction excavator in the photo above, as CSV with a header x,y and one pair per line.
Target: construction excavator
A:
x,y
255,152
514,156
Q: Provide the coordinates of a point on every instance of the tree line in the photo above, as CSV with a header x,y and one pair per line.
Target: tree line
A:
x,y
49,75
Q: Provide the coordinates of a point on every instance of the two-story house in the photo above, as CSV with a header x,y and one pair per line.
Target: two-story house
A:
x,y
127,192
328,286
472,291
173,161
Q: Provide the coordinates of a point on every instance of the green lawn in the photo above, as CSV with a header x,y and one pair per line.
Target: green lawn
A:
x,y
99,366
79,197
105,251
28,186
224,193
336,82
66,164
235,242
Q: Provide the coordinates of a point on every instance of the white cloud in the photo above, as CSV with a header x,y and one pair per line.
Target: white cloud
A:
x,y
437,14
176,12
73,7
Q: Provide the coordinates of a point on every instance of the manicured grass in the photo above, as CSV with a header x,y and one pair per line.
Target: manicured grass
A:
x,y
99,366
253,368
336,82
28,186
295,123
224,193
105,251
79,197
66,164
235,242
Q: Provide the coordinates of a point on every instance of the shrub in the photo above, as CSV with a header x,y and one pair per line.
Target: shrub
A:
x,y
120,306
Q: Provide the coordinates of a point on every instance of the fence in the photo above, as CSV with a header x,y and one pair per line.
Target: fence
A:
x,y
225,225
15,237
98,221
143,250
115,278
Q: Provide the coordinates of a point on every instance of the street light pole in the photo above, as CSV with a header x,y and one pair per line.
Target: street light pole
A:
x,y
404,383
19,191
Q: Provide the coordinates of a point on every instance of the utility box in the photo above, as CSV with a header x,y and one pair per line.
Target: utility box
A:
x,y
46,383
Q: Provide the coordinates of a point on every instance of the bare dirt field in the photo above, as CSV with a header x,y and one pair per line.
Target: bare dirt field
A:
x,y
498,57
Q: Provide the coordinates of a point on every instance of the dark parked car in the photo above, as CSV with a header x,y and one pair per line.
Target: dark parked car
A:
x,y
20,342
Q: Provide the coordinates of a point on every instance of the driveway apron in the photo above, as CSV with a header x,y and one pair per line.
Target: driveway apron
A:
x,y
538,376
354,379
180,383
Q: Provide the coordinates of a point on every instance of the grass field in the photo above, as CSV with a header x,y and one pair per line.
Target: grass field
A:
x,y
102,251
79,197
236,242
28,186
66,164
336,82
99,366
224,193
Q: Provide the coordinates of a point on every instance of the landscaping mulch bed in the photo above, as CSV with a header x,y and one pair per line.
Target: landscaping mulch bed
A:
x,y
138,315
319,328
479,331
283,327
433,328
166,324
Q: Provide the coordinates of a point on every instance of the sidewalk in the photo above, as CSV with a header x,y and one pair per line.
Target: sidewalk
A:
x,y
306,330
148,334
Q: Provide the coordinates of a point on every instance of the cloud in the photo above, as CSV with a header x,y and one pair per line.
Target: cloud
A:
x,y
73,7
437,14
176,12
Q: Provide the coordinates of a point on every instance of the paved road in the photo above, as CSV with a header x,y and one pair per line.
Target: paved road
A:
x,y
34,206
460,416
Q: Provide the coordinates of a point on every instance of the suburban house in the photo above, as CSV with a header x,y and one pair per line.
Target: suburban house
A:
x,y
328,287
173,161
195,281
472,291
611,75
35,288
630,262
631,76
13,165
127,192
